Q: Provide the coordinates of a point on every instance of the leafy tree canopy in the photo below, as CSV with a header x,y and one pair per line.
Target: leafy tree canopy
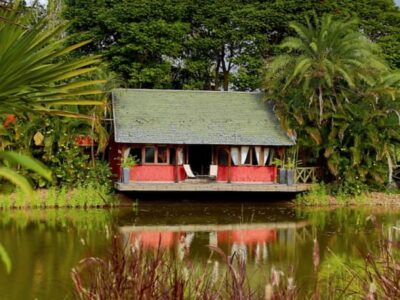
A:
x,y
210,44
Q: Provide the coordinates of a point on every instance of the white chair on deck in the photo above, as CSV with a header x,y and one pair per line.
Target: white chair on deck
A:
x,y
188,171
213,171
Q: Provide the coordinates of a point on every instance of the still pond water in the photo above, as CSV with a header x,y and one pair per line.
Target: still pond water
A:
x,y
45,244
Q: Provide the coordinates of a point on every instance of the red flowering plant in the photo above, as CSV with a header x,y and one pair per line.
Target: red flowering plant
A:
x,y
84,140
10,119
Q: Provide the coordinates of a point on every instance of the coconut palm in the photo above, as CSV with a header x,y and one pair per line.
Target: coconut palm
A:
x,y
38,75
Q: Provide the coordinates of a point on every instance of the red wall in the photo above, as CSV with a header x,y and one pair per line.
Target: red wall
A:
x,y
156,173
248,173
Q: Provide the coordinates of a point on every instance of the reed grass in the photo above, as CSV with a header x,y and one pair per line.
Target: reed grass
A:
x,y
133,273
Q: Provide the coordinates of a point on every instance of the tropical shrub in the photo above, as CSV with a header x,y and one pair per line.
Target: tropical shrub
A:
x,y
72,167
38,76
53,141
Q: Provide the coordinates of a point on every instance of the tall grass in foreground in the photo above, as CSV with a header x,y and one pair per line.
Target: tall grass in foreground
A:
x,y
89,196
133,273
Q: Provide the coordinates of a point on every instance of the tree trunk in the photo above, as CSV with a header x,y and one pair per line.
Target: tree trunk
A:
x,y
216,79
226,80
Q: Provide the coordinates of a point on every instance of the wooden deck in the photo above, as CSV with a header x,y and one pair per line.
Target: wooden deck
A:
x,y
210,187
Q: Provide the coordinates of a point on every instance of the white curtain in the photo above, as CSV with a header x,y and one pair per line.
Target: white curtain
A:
x,y
126,152
235,155
244,152
180,156
258,154
266,154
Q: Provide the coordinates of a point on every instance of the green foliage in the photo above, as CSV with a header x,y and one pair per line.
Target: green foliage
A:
x,y
128,162
278,162
89,196
210,44
334,90
9,159
73,168
52,140
36,74
290,164
317,195
351,186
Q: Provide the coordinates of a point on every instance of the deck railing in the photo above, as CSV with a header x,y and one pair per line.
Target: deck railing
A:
x,y
306,175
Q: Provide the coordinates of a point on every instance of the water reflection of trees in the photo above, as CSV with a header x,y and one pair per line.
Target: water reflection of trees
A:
x,y
45,244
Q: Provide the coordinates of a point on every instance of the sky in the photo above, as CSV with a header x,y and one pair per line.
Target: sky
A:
x,y
397,2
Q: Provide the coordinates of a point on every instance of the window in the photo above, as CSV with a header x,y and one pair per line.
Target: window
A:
x,y
222,157
244,156
162,155
149,153
136,153
172,156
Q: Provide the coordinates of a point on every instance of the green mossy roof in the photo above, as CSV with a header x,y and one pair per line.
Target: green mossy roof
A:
x,y
195,117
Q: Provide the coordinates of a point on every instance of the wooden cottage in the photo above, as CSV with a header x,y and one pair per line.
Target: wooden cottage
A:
x,y
196,140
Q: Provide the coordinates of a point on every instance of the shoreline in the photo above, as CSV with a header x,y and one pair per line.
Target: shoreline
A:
x,y
366,199
55,198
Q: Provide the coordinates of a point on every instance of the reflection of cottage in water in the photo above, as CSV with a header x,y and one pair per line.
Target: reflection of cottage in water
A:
x,y
246,240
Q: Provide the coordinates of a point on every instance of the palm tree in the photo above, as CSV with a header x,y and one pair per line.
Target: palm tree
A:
x,y
332,87
39,75
322,59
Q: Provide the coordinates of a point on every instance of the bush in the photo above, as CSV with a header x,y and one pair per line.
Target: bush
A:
x,y
350,186
317,195
71,168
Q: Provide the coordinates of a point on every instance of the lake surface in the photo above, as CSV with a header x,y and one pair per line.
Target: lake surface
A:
x,y
44,245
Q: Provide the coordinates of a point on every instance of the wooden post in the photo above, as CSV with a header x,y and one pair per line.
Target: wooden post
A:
x,y
262,155
143,154
229,165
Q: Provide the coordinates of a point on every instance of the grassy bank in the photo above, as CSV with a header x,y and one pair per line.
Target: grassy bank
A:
x,y
90,196
320,195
